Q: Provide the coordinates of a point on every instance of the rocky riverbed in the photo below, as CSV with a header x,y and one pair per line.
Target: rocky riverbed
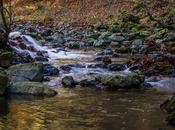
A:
x,y
92,60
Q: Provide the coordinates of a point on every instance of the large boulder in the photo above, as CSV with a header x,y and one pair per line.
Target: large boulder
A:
x,y
3,81
30,88
169,107
26,72
126,81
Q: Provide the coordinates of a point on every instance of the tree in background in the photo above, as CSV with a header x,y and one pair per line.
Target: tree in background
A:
x,y
5,22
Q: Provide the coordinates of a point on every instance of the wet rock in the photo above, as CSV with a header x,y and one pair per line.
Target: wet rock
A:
x,y
50,70
68,82
77,65
5,59
105,52
116,67
108,51
66,68
147,85
73,45
88,83
41,59
30,88
3,81
169,107
26,72
128,81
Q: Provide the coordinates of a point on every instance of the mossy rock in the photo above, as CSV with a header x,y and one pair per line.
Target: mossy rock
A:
x,y
3,81
68,82
89,41
30,88
5,59
26,72
128,81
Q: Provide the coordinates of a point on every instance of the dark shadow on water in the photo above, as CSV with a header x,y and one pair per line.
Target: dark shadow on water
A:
x,y
4,110
10,97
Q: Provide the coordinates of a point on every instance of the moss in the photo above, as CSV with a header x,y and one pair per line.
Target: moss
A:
x,y
5,55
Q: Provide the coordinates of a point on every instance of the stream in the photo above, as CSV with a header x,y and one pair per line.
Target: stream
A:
x,y
84,108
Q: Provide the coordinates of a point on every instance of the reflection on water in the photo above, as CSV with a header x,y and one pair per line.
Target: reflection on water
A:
x,y
85,109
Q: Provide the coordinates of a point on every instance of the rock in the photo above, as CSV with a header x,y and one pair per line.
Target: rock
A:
x,y
89,41
3,81
128,81
105,52
115,44
137,45
26,72
101,27
101,43
5,59
123,50
115,28
88,83
68,82
73,45
117,38
41,59
50,70
169,107
137,42
170,36
93,35
108,51
30,88
58,41
116,67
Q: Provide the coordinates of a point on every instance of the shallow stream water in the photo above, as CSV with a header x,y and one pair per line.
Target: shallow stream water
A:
x,y
84,108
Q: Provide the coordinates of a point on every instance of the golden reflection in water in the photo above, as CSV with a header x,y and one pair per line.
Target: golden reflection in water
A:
x,y
86,109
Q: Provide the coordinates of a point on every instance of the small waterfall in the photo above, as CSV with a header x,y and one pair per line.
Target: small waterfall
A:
x,y
25,45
